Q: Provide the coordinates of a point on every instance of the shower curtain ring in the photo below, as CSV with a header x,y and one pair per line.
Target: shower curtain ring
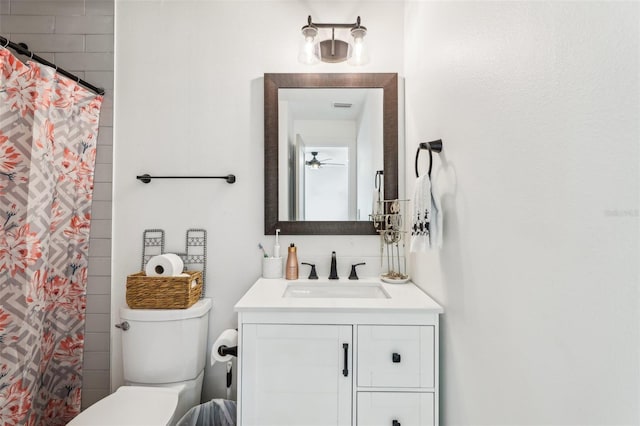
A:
x,y
5,46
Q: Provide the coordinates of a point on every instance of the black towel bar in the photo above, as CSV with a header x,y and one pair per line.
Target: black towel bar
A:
x,y
147,178
433,146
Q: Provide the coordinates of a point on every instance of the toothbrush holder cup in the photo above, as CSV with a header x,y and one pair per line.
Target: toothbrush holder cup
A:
x,y
272,267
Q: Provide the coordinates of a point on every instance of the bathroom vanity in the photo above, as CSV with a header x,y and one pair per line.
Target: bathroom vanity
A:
x,y
337,353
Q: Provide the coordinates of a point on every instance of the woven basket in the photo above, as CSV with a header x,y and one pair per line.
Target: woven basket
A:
x,y
145,292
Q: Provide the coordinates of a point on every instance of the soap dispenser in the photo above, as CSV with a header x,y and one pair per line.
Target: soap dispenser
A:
x,y
292,264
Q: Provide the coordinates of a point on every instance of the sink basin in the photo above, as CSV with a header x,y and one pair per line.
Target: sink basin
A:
x,y
336,291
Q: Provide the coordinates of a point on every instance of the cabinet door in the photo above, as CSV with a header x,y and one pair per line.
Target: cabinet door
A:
x,y
296,375
395,409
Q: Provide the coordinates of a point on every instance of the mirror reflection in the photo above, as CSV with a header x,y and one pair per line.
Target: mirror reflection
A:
x,y
330,144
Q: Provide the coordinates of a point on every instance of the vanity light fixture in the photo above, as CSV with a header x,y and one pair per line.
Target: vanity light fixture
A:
x,y
333,50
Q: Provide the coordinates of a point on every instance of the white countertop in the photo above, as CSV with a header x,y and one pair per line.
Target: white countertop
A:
x,y
267,295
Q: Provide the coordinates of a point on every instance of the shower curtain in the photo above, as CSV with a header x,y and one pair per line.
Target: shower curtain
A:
x,y
48,132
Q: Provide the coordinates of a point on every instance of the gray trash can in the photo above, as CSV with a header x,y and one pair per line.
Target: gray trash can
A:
x,y
217,412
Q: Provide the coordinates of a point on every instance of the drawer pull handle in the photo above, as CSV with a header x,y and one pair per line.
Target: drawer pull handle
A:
x,y
395,423
345,370
395,358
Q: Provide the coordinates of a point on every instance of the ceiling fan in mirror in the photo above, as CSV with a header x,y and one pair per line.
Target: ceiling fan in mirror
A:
x,y
314,163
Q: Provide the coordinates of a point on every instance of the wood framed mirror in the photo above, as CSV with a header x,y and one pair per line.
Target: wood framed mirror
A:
x,y
274,172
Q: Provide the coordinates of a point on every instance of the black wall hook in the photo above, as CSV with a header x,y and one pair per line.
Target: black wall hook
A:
x,y
433,146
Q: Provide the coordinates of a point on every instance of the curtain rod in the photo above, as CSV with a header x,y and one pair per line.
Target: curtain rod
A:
x,y
23,49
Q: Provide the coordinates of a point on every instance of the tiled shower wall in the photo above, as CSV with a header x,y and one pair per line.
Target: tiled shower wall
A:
x,y
77,35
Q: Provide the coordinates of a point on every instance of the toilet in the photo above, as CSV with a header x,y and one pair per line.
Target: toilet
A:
x,y
163,356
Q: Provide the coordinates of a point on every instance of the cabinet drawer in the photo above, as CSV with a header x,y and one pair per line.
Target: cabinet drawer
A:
x,y
396,356
395,409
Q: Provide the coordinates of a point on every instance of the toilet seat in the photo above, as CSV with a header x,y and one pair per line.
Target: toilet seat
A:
x,y
131,406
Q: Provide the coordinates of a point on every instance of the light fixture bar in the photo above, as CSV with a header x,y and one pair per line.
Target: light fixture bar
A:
x,y
327,25
332,50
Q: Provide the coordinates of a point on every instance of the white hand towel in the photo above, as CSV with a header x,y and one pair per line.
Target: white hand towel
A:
x,y
426,220
421,216
435,227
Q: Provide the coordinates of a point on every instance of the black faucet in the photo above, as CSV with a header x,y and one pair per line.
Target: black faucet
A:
x,y
333,275
313,275
354,275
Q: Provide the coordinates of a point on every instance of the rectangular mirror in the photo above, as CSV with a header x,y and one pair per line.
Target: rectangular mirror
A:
x,y
331,140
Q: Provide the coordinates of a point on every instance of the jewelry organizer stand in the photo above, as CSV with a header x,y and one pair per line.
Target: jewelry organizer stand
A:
x,y
387,220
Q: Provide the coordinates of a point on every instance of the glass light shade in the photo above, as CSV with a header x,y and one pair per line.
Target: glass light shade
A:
x,y
309,53
359,54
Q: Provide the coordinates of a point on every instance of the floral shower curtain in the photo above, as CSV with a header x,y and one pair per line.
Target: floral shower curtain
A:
x,y
48,132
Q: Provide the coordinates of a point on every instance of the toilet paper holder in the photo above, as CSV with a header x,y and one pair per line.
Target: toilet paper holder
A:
x,y
223,350
228,350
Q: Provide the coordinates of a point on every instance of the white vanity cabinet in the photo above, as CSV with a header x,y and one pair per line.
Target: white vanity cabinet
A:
x,y
325,362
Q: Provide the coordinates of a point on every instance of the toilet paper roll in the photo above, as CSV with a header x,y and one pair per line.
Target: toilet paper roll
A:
x,y
228,338
164,265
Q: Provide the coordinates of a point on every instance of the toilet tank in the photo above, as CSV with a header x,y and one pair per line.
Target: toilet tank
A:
x,y
165,345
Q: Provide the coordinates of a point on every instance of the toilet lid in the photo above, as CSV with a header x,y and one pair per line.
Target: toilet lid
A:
x,y
131,406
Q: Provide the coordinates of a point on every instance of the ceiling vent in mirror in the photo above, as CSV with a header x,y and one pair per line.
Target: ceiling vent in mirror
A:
x,y
333,50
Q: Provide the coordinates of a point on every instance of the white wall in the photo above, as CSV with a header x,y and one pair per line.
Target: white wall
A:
x,y
190,101
538,107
